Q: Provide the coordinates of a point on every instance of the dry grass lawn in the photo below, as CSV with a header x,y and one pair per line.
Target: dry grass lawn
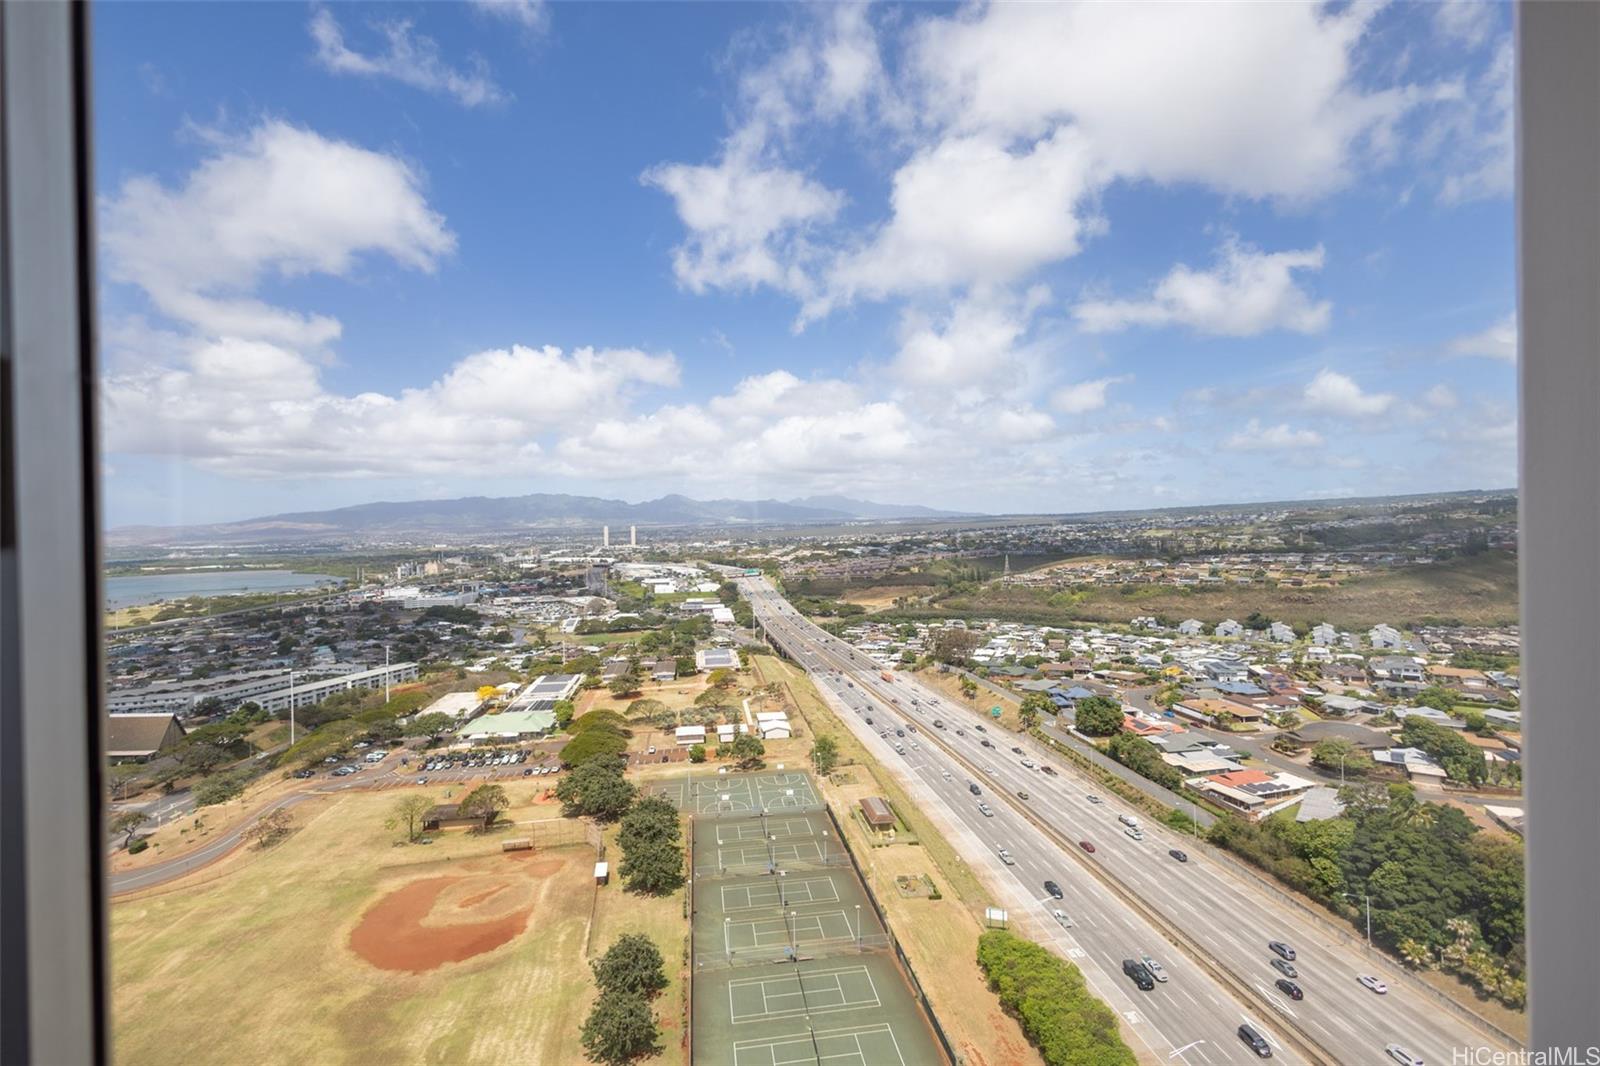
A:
x,y
255,965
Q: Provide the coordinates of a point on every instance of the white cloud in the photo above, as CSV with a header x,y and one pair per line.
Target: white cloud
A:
x,y
1246,293
1465,22
1441,397
976,343
1333,393
249,408
282,201
531,15
969,211
1084,396
1499,341
1478,134
410,58
746,221
1253,99
1255,437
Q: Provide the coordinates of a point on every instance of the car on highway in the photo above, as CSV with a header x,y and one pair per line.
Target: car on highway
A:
x,y
979,728
1134,833
1051,770
1402,1056
1369,981
1086,846
938,723
986,743
1128,820
1280,949
1062,919
1005,857
1255,1041
1141,976
911,727
869,719
973,788
1153,966
1096,800
1179,855
1016,750
1053,888
1285,967
1022,793
1289,988
987,813
961,732
1027,764
989,770
899,732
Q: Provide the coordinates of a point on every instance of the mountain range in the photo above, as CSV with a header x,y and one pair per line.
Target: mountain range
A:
x,y
543,512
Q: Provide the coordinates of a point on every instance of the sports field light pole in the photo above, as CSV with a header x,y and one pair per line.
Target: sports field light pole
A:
x,y
782,902
858,927
727,945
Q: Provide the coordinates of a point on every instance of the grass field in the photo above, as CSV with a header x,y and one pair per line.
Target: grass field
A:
x,y
257,965
1478,590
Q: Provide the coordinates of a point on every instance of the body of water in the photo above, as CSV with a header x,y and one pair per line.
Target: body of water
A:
x,y
136,590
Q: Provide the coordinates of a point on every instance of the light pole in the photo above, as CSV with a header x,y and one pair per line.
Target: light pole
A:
x,y
727,944
1341,769
858,927
794,948
1367,899
782,902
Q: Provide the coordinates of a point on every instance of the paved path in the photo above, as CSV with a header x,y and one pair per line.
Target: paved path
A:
x,y
149,876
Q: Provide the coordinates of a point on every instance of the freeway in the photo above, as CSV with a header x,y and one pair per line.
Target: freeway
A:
x,y
1214,925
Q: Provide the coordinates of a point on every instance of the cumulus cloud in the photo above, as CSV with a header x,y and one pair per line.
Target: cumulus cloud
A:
x,y
251,408
1246,293
1084,396
408,57
1440,397
1255,437
1499,341
746,221
282,201
970,211
976,342
1333,393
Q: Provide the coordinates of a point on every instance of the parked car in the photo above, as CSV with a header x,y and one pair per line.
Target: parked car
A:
x,y
1255,1041
1289,988
1369,981
305,773
527,771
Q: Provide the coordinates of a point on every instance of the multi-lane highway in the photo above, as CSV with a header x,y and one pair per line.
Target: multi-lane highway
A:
x,y
1205,923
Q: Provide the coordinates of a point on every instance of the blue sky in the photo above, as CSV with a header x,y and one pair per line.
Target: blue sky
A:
x,y
1019,258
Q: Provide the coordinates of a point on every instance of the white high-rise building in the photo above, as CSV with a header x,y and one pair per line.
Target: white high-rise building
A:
x,y
605,536
633,536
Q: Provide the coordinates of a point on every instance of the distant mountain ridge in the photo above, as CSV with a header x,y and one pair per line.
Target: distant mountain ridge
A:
x,y
507,514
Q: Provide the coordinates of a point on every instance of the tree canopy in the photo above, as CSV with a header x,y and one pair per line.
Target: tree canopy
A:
x,y
486,802
596,788
1049,998
1099,716
632,965
651,839
619,1029
825,755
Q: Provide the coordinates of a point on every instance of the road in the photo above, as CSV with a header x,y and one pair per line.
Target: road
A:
x,y
1213,924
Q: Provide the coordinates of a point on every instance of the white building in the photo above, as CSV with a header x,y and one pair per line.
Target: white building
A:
x,y
1191,627
1281,632
1324,635
1384,636
1228,628
690,735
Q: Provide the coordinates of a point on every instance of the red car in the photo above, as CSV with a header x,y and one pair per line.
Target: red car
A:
x,y
1086,846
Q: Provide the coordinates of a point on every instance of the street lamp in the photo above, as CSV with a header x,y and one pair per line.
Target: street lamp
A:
x,y
1368,900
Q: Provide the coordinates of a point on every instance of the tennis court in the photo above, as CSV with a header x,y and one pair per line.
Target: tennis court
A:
x,y
791,962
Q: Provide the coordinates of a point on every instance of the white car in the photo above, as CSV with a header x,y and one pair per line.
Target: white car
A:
x,y
1134,834
1373,983
1154,967
1402,1056
1061,917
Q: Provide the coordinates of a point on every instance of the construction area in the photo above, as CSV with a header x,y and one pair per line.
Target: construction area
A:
x,y
792,963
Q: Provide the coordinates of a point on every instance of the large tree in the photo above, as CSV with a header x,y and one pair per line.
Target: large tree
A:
x,y
825,755
269,828
1340,755
1035,704
1099,716
596,788
619,1029
746,749
652,849
486,802
951,644
128,823
633,965
408,813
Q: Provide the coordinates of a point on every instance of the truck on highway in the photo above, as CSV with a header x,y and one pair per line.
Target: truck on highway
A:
x,y
887,675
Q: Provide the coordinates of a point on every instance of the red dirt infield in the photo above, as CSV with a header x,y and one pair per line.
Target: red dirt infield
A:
x,y
437,920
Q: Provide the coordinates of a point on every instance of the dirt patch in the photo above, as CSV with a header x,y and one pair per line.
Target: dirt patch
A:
x,y
432,921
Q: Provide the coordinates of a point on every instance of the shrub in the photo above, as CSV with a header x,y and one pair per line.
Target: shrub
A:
x,y
1047,995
